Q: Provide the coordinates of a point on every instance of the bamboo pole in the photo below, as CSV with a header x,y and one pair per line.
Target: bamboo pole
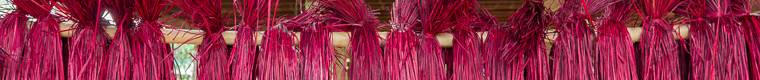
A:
x,y
339,39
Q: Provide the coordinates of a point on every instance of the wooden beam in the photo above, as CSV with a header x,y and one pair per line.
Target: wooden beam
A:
x,y
339,39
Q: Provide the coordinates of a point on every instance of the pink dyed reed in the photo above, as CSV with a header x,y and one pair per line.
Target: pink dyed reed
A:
x,y
43,56
278,60
89,43
615,48
212,53
659,50
150,51
574,50
13,35
730,49
120,50
498,43
530,21
244,51
467,64
401,49
702,56
518,48
483,22
364,46
436,17
752,27
317,51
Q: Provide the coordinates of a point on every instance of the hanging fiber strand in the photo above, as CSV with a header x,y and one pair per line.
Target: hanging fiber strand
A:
x,y
466,45
508,48
574,50
317,51
751,25
366,54
496,39
659,52
530,44
243,56
702,55
518,51
752,29
89,43
151,53
731,57
278,60
495,68
120,50
3,66
212,53
615,48
43,55
13,35
436,16
401,49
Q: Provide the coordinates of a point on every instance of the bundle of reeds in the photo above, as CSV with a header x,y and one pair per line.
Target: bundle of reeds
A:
x,y
318,52
574,51
149,50
702,56
659,52
752,29
401,49
120,51
212,53
366,54
88,45
436,16
13,34
278,60
517,49
43,55
466,56
615,48
244,51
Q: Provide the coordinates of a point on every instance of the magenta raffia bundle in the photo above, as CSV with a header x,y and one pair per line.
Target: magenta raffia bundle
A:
x,y
752,29
751,25
243,56
212,53
574,49
659,52
530,44
484,21
401,49
702,55
89,43
151,53
466,45
120,50
43,56
498,44
615,48
714,44
278,60
13,35
730,49
366,54
318,51
436,16
518,49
